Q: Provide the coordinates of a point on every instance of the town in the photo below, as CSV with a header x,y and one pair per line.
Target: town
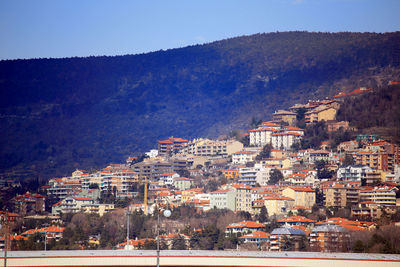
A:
x,y
304,181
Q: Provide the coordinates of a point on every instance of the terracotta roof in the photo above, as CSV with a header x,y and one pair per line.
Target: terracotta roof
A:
x,y
296,219
258,234
246,224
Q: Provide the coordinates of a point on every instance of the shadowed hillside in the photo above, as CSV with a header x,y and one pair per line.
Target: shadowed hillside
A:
x,y
60,114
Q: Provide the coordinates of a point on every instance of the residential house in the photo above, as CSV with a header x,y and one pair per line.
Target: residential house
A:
x,y
243,227
183,183
257,238
29,203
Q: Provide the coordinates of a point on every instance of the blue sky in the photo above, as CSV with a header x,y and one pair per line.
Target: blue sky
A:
x,y
67,28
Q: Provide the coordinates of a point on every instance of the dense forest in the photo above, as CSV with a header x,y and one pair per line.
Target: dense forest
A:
x,y
57,115
377,112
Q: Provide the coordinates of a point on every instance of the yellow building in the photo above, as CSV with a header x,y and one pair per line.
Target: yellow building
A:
x,y
321,113
280,163
278,205
231,173
285,116
303,196
189,194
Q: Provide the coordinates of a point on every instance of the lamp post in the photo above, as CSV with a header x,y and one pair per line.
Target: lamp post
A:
x,y
166,213
4,222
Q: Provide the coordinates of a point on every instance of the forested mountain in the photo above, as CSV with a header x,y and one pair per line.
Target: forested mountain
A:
x,y
60,114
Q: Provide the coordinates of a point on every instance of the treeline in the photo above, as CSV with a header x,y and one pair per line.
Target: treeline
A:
x,y
375,112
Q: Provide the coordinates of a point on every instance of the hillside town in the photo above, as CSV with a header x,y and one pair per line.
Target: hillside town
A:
x,y
269,188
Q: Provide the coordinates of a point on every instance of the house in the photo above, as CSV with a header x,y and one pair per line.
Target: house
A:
x,y
167,178
183,183
262,134
51,232
296,221
258,237
286,239
71,205
135,244
303,196
243,227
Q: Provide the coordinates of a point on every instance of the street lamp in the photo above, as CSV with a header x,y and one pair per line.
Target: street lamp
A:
x,y
4,222
166,213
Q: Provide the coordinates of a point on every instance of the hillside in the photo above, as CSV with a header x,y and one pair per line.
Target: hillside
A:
x,y
60,114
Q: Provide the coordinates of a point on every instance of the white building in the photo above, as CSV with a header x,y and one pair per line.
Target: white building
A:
x,y
223,199
252,175
242,157
353,172
284,139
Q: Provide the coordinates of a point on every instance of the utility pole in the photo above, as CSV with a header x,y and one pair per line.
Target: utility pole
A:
x,y
127,227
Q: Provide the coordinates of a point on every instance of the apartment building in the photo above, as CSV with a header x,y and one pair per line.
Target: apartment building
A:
x,y
284,116
329,238
223,199
341,194
243,194
170,146
382,195
207,147
303,196
353,172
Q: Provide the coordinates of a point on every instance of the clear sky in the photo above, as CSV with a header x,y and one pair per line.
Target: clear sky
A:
x,y
67,28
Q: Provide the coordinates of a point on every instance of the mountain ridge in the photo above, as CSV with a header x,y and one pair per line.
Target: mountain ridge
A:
x,y
62,114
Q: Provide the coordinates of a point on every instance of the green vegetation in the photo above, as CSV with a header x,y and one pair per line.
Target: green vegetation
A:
x,y
61,114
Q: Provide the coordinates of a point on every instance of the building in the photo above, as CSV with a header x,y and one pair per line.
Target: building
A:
x,y
252,175
29,203
278,205
296,221
243,227
207,148
223,199
243,197
183,183
285,140
382,195
341,194
262,134
284,116
71,205
171,146
329,238
303,196
286,239
257,238
242,157
321,113
353,172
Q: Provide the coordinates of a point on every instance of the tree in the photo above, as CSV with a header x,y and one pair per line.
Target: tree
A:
x,y
348,160
265,152
263,215
179,243
275,176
